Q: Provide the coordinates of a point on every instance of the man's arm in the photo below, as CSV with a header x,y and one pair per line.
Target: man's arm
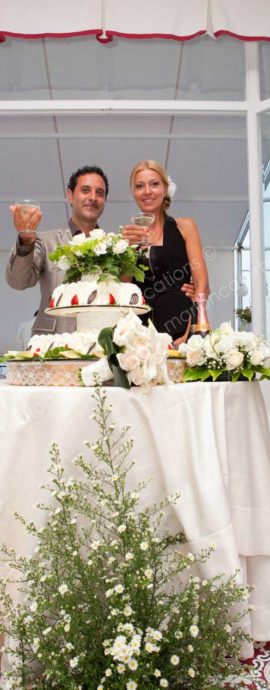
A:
x,y
25,264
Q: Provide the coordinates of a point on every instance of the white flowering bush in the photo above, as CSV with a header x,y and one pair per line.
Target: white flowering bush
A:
x,y
136,354
237,354
107,255
101,604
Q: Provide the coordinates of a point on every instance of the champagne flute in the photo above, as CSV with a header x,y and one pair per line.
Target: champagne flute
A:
x,y
144,220
27,207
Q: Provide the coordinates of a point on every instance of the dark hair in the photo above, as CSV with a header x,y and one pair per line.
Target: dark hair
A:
x,y
87,169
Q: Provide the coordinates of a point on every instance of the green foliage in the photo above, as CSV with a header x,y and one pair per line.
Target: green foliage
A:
x,y
55,353
107,601
245,314
83,259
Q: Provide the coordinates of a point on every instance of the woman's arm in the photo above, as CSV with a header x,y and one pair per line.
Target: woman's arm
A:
x,y
190,233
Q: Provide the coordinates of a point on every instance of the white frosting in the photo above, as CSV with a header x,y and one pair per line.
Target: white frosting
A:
x,y
124,294
81,342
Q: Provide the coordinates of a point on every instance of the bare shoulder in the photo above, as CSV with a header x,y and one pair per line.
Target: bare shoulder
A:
x,y
187,226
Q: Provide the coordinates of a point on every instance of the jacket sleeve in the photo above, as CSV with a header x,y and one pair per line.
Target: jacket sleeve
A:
x,y
25,264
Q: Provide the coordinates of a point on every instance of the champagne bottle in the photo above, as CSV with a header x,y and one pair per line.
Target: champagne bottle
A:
x,y
201,325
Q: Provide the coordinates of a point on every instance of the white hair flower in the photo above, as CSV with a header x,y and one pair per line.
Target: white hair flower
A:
x,y
172,187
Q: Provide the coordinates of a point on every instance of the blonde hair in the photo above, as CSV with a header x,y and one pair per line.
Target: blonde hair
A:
x,y
152,165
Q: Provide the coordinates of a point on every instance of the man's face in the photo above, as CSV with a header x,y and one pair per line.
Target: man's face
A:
x,y
88,199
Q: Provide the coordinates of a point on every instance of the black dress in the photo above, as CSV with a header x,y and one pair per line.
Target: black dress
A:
x,y
168,269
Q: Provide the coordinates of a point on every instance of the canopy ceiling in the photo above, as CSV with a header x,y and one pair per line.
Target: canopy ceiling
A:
x,y
174,19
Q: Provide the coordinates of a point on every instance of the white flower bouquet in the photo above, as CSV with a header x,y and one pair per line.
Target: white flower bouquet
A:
x,y
107,255
225,353
136,354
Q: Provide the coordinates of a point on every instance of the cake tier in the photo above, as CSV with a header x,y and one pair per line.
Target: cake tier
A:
x,y
88,291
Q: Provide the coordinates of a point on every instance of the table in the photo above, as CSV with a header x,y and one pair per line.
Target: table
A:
x,y
211,440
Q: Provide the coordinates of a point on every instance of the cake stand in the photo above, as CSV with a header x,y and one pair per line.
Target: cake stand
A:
x,y
95,317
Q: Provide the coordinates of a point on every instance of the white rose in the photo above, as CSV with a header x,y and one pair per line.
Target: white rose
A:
x,y
99,369
136,376
247,340
128,361
120,247
195,358
234,359
256,357
63,263
195,343
100,248
143,352
226,343
260,355
97,234
126,329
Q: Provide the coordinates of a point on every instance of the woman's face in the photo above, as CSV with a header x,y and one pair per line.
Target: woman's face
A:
x,y
148,190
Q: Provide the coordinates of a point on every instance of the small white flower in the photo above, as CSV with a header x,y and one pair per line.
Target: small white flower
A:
x,y
144,545
121,528
97,234
174,660
127,611
172,187
194,630
74,662
100,248
63,263
120,247
33,606
131,685
119,589
191,672
63,589
133,664
129,556
157,673
163,683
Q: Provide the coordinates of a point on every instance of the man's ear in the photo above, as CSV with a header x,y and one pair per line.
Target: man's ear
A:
x,y
69,196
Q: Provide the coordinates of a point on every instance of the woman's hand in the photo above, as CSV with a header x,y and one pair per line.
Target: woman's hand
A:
x,y
134,234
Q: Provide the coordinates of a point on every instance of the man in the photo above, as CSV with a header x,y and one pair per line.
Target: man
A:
x,y
28,263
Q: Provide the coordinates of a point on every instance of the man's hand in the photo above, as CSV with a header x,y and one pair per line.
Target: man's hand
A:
x,y
26,223
189,290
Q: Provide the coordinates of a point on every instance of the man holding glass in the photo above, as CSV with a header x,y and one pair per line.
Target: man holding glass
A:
x,y
29,263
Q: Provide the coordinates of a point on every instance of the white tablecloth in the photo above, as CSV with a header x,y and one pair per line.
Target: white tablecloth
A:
x,y
209,440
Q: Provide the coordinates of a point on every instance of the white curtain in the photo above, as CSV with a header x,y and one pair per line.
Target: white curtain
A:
x,y
174,19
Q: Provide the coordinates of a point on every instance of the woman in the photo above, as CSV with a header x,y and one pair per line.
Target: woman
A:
x,y
175,255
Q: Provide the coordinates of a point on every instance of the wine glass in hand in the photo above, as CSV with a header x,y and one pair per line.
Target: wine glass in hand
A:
x,y
25,215
144,220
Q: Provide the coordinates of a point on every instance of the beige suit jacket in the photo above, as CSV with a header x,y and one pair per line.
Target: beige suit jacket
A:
x,y
35,267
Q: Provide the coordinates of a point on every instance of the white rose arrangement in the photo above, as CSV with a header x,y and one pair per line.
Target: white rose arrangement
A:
x,y
107,255
238,354
136,355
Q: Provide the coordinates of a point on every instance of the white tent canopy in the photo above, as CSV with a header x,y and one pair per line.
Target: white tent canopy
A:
x,y
176,19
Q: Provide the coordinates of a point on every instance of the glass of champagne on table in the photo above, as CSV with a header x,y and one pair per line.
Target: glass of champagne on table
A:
x,y
144,220
24,209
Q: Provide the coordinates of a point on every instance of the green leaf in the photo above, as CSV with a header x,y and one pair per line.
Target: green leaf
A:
x,y
264,371
119,377
105,340
196,374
